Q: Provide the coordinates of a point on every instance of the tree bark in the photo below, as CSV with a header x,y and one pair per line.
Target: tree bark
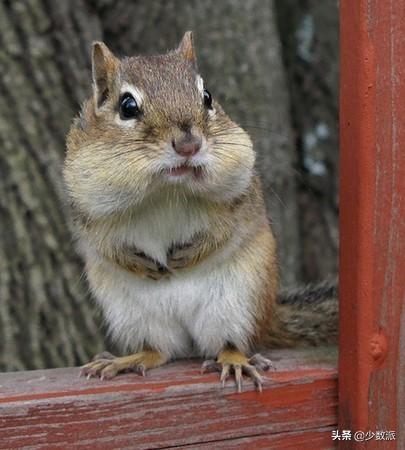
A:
x,y
309,35
46,317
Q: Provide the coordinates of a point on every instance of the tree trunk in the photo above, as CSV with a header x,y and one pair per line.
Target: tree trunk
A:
x,y
45,313
46,316
309,35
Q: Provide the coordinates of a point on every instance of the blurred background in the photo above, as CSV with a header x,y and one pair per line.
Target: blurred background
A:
x,y
273,65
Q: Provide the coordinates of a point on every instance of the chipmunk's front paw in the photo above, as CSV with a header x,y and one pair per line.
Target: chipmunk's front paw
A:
x,y
233,361
106,366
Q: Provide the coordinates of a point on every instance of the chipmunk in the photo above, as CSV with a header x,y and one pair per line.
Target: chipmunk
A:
x,y
170,220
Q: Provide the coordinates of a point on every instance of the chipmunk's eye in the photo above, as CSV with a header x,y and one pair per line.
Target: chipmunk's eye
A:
x,y
207,99
128,107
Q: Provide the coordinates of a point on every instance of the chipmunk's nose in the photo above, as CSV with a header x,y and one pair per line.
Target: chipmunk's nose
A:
x,y
187,145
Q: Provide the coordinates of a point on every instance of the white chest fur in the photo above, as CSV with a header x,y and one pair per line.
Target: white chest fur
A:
x,y
156,226
195,312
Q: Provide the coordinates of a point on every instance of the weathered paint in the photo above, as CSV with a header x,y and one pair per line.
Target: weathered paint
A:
x,y
303,440
174,405
372,220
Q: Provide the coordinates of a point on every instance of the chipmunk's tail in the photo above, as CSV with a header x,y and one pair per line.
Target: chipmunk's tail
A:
x,y
306,316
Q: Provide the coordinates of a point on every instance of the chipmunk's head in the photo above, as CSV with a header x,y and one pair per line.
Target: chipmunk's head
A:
x,y
153,126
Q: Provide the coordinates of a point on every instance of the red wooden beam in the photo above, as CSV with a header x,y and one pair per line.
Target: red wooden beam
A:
x,y
173,406
372,220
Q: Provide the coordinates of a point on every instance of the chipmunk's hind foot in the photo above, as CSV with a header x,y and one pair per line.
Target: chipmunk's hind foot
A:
x,y
106,366
235,362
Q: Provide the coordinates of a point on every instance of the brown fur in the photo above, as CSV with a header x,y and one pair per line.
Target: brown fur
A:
x,y
103,156
232,357
306,316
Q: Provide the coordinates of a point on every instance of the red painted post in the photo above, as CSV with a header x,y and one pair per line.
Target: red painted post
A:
x,y
372,221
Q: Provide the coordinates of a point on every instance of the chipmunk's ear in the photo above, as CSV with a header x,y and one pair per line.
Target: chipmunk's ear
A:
x,y
104,68
186,48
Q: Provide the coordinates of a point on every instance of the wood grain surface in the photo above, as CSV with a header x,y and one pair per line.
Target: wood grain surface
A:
x,y
372,225
173,406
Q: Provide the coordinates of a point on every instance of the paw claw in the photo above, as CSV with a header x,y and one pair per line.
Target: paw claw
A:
x,y
104,355
210,365
238,377
140,369
236,363
225,373
261,363
109,372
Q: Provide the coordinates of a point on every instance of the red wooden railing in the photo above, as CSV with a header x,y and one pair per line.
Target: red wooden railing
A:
x,y
173,406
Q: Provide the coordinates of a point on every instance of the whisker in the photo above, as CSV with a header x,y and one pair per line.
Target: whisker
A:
x,y
223,155
233,143
226,131
268,130
277,197
228,135
136,150
223,131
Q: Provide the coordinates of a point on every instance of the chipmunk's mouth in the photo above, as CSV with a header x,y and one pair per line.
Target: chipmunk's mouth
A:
x,y
185,169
